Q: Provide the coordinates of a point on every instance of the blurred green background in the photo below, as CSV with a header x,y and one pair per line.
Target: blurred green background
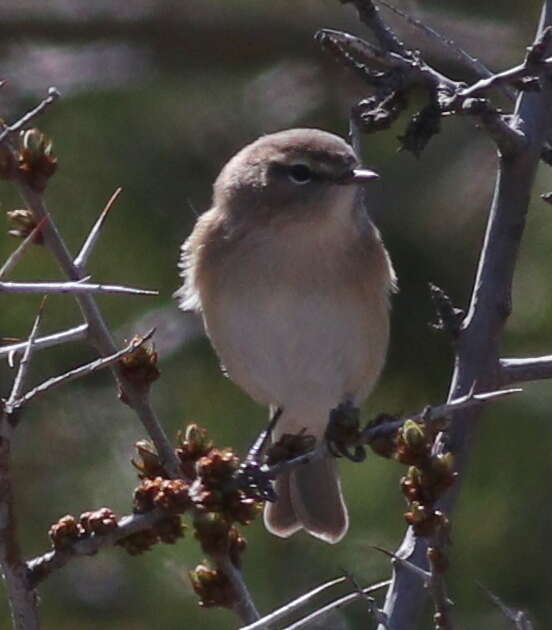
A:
x,y
156,97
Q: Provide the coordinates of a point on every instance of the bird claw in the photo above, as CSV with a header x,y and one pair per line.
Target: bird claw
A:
x,y
256,482
343,433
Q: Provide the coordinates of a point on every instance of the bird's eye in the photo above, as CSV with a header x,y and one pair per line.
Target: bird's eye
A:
x,y
300,174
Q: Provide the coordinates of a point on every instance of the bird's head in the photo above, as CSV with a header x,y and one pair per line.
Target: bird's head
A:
x,y
298,172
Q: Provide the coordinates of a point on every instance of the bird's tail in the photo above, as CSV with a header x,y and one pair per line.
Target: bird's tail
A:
x,y
309,498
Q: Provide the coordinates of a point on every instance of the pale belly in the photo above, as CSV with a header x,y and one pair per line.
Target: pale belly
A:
x,y
294,349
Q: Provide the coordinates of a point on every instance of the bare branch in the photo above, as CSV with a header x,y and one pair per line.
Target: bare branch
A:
x,y
53,95
369,14
48,341
82,257
69,287
17,254
526,369
98,332
336,603
22,599
83,370
291,607
245,606
469,61
24,364
477,347
519,618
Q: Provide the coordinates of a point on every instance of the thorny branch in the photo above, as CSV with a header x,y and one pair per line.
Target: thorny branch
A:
x,y
80,286
79,372
520,138
135,392
393,70
21,597
78,333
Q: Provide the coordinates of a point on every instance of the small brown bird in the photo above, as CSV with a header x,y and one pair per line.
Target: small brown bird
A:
x,y
293,281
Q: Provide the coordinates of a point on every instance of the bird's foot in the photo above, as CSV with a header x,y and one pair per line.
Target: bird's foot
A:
x,y
343,433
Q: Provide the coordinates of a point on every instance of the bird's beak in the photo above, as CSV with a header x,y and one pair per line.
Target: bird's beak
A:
x,y
359,176
362,175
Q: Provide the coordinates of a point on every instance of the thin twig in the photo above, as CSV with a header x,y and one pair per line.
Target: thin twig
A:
x,y
519,618
69,287
24,364
471,62
336,603
78,333
82,257
83,370
17,254
53,95
509,76
292,606
369,14
373,609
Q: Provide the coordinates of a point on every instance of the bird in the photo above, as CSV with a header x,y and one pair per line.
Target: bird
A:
x,y
293,283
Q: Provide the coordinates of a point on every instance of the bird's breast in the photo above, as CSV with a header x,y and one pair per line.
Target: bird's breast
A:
x,y
296,314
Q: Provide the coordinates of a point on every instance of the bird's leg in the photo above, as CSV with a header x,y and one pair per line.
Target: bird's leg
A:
x,y
250,475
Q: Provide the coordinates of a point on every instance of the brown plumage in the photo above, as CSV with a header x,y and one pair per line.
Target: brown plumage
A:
x,y
292,281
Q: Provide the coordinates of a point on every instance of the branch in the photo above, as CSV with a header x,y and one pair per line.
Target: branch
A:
x,y
389,427
519,618
53,95
244,606
527,369
341,602
41,567
77,333
69,287
291,607
82,257
468,60
477,347
17,254
83,370
98,332
24,364
369,14
21,596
